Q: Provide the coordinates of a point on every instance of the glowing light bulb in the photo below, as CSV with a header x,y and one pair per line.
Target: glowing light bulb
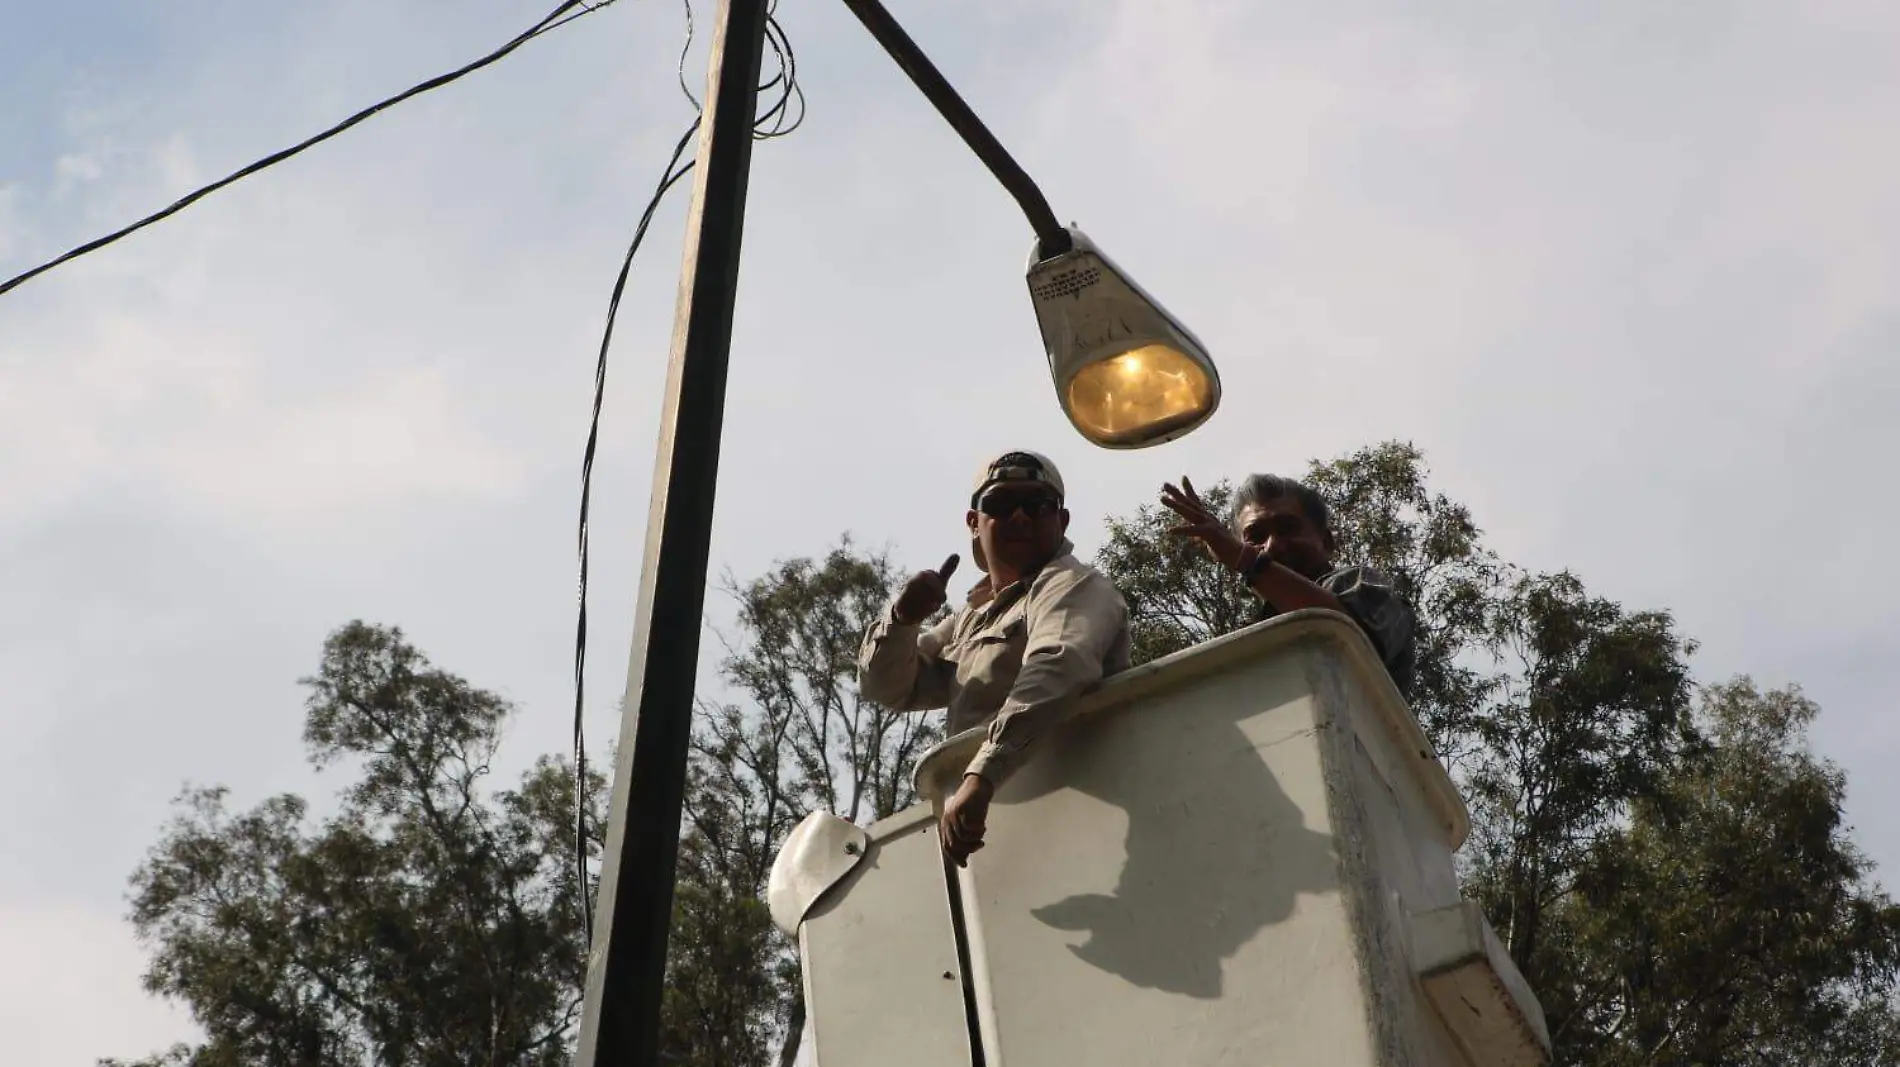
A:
x,y
1138,395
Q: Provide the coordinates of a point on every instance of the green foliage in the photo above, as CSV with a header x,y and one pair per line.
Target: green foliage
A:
x,y
1731,920
722,990
428,922
433,922
801,740
1591,714
803,727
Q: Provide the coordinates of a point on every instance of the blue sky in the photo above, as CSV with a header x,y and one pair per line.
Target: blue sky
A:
x,y
1625,272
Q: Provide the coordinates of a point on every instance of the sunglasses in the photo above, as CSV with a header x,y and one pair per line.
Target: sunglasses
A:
x,y
1003,505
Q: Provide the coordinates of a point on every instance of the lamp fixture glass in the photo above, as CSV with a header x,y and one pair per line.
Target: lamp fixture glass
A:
x,y
1127,373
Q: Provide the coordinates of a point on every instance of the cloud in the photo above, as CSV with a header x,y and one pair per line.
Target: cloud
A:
x,y
76,168
394,437
107,416
1251,129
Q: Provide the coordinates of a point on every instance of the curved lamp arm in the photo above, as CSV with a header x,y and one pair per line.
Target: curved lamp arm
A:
x,y
1052,239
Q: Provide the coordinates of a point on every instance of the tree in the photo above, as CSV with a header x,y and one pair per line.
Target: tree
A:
x,y
800,740
428,922
1732,920
432,922
1589,714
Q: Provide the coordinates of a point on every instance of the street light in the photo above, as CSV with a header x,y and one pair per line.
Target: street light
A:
x,y
1128,375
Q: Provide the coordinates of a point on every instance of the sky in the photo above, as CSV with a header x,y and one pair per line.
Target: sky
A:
x,y
1625,272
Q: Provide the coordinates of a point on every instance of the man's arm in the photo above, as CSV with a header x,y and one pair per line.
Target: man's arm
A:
x,y
899,664
1286,589
1073,622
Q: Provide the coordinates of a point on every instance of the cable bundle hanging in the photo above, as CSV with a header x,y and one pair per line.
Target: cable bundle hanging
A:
x,y
785,114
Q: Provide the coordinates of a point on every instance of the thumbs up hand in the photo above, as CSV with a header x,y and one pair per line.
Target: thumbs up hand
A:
x,y
924,593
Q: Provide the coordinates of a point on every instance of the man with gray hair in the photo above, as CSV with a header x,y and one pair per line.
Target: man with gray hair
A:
x,y
1278,538
1038,630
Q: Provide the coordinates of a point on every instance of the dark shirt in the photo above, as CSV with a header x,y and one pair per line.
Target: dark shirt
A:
x,y
1382,614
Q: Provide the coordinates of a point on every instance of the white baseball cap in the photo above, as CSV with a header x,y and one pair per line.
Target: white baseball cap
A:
x,y
1012,468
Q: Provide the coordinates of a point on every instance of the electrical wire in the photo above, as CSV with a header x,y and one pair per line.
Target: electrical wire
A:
x,y
673,173
566,12
781,117
788,75
778,120
686,48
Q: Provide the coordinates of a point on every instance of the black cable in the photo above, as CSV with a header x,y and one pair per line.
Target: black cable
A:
x,y
778,113
686,47
585,9
671,176
787,77
552,21
771,123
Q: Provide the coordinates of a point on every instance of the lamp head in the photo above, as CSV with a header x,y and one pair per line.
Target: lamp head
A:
x,y
1127,373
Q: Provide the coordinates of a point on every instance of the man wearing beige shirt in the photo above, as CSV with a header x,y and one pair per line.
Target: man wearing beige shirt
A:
x,y
1039,629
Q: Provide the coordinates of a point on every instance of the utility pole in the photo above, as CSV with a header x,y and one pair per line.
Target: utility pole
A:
x,y
626,970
